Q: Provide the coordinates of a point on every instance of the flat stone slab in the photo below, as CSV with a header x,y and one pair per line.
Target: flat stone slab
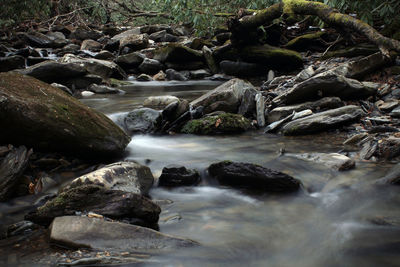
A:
x,y
84,232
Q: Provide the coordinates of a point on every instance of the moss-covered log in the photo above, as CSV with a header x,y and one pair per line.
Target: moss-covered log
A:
x,y
240,26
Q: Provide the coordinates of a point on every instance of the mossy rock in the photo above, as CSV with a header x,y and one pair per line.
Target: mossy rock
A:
x,y
225,123
175,52
38,115
304,42
356,51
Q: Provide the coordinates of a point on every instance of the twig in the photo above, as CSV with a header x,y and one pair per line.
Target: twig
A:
x,y
332,44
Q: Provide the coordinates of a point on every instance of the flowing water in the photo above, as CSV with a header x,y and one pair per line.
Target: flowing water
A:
x,y
338,219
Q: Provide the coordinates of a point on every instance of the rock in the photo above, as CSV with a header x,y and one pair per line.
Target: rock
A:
x,y
276,125
114,204
387,106
325,84
104,55
134,42
355,139
225,123
150,66
247,106
103,89
87,93
199,74
160,76
251,176
185,66
84,232
150,29
209,58
82,82
356,51
174,175
43,117
302,114
323,120
56,35
134,31
271,75
11,63
83,34
242,69
368,150
176,53
393,176
159,102
174,110
163,36
175,75
11,170
395,112
91,45
103,68
307,41
142,120
260,109
144,78
131,60
30,61
226,97
62,87
21,228
37,39
125,176
51,71
305,74
335,161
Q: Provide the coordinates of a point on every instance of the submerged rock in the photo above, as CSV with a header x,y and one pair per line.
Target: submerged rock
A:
x,y
126,176
247,175
114,204
84,232
39,115
323,120
225,123
174,175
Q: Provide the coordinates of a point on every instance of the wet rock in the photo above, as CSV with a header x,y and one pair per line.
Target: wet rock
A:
x,y
174,175
87,93
174,110
225,123
260,109
103,89
176,53
41,116
104,55
322,104
242,69
368,150
302,114
91,45
83,232
159,102
51,71
21,228
323,120
142,120
209,58
199,74
144,78
114,204
325,84
11,63
36,39
163,36
103,68
11,169
226,97
150,66
393,176
134,42
175,75
131,60
247,175
335,161
276,125
160,76
82,82
125,176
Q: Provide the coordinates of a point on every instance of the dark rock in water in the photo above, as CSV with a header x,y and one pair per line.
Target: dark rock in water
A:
x,y
51,71
175,52
393,176
163,36
174,175
225,123
84,232
323,120
175,75
126,176
251,176
226,97
38,115
114,204
150,66
144,78
11,63
131,60
242,69
142,120
11,169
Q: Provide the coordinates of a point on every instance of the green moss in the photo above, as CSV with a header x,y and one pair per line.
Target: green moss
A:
x,y
218,124
175,52
359,50
116,83
304,41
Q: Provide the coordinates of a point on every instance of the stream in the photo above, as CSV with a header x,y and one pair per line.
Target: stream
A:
x,y
339,219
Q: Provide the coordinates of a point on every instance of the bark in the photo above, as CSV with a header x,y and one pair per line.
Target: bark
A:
x,y
240,26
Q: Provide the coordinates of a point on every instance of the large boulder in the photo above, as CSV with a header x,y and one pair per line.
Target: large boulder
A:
x,y
175,52
226,97
225,123
126,176
41,116
114,204
251,176
105,69
84,232
323,121
52,71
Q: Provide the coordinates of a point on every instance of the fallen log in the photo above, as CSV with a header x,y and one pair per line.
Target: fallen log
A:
x,y
241,26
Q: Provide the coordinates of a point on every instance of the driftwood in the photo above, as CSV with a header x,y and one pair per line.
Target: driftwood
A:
x,y
11,169
242,25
